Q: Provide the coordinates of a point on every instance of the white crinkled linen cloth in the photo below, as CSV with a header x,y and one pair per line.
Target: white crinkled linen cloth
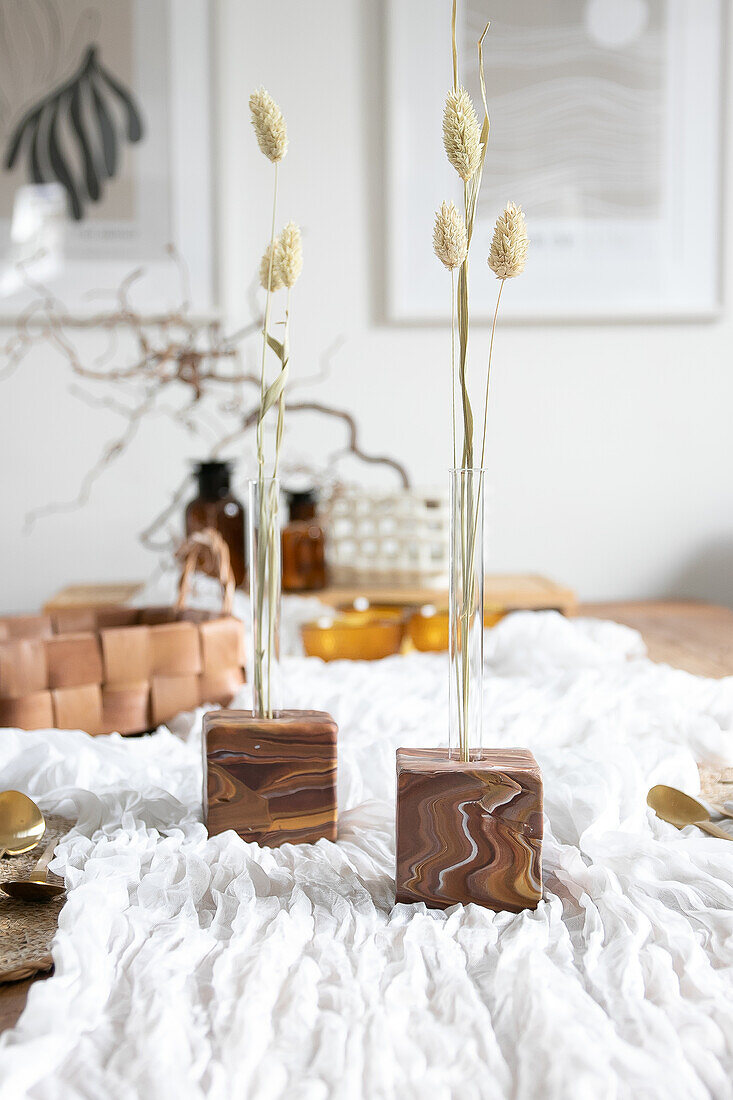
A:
x,y
192,967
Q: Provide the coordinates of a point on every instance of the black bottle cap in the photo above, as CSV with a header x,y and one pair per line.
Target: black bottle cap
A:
x,y
301,503
214,479
301,496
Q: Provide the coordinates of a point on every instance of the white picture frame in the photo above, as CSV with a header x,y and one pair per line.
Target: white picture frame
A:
x,y
89,275
580,269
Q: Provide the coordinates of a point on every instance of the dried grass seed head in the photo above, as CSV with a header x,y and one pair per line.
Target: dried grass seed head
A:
x,y
450,243
270,271
461,133
289,254
510,243
269,125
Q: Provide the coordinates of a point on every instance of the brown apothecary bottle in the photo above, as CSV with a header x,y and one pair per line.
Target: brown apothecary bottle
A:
x,y
303,545
217,507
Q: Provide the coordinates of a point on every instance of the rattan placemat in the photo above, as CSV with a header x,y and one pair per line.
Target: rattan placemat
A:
x,y
27,928
712,787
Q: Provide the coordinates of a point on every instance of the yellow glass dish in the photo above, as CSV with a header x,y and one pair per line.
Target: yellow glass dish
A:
x,y
373,632
428,628
493,614
348,639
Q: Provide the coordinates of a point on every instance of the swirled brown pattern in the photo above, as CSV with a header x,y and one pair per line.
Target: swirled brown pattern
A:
x,y
469,831
272,780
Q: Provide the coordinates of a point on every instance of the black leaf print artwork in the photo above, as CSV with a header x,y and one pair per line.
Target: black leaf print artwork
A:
x,y
86,106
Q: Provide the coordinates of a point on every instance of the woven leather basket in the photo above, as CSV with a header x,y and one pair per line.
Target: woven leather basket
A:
x,y
123,669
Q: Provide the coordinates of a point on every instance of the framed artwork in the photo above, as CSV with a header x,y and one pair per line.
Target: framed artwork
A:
x,y
105,156
605,128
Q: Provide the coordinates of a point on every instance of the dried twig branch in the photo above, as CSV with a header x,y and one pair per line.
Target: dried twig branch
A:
x,y
172,365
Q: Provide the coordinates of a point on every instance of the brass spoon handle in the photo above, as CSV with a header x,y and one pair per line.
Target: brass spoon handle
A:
x,y
40,871
713,829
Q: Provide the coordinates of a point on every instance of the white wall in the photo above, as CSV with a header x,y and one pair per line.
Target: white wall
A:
x,y
611,445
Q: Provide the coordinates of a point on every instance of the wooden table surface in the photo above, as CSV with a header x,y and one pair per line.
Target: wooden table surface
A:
x,y
697,637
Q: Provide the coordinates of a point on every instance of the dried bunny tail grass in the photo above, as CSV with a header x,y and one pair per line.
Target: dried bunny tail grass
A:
x,y
269,125
450,242
270,271
509,246
461,133
289,254
287,259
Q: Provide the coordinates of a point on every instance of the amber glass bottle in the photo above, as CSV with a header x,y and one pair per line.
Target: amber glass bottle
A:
x,y
217,507
303,546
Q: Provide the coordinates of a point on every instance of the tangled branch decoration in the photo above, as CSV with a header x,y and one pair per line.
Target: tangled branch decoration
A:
x,y
85,106
177,366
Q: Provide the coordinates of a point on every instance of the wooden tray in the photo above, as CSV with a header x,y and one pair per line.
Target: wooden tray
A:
x,y
93,595
509,592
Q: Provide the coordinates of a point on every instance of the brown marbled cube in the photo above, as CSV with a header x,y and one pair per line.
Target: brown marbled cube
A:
x,y
272,780
469,832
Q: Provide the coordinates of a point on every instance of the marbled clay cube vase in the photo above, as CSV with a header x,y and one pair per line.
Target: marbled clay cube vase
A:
x,y
271,780
469,832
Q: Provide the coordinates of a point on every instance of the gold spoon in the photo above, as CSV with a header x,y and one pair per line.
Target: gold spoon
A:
x,y
36,887
21,823
702,810
681,809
